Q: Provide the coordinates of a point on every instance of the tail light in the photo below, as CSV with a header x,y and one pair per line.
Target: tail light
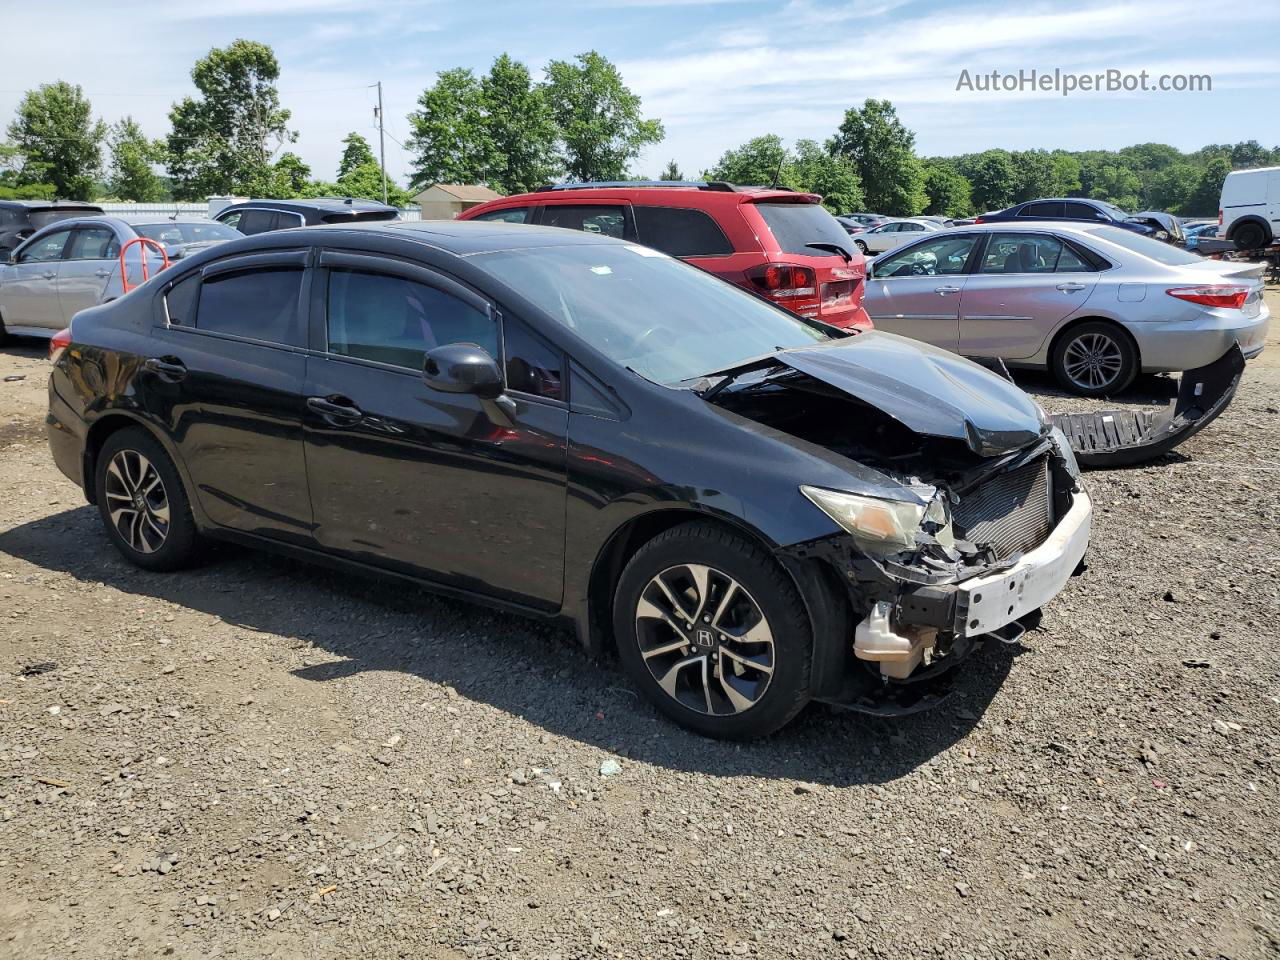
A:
x,y
1219,218
58,343
1228,295
978,220
779,281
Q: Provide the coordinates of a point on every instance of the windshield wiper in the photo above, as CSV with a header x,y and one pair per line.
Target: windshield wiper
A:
x,y
731,375
832,248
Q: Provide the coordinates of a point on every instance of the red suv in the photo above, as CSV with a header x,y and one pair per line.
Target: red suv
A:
x,y
779,243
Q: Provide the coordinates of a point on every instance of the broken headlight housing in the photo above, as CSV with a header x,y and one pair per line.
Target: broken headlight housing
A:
x,y
882,527
1065,452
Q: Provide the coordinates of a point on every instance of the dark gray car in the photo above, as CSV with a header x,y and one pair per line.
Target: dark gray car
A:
x,y
19,219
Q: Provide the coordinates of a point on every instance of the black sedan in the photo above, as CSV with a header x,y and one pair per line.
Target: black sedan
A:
x,y
757,510
262,216
1149,223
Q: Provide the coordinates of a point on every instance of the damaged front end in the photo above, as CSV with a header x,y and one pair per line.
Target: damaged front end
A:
x,y
986,522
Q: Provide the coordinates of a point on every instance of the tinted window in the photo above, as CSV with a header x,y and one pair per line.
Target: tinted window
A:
x,y
509,215
93,243
257,221
610,221
1020,253
1042,211
532,365
261,304
795,224
1082,211
232,220
375,316
46,248
681,233
911,227
944,255
180,301
659,316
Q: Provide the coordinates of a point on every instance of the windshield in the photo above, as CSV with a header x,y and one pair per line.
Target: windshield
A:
x,y
173,233
1155,250
794,225
666,320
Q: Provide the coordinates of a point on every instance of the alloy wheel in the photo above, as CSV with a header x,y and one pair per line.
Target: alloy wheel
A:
x,y
1093,361
137,502
704,639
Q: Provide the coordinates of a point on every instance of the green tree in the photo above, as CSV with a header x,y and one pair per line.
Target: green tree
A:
x,y
601,125
223,140
11,185
449,135
365,182
1039,174
60,142
947,190
882,151
816,170
1116,184
1172,187
1208,193
761,161
355,153
131,175
993,179
519,128
290,177
671,171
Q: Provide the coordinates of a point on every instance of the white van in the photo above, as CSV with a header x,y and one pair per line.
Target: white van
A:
x,y
1249,210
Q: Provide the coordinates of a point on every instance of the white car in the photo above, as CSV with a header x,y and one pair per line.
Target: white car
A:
x,y
1249,208
894,233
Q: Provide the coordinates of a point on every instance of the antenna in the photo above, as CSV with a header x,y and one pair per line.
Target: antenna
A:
x,y
782,158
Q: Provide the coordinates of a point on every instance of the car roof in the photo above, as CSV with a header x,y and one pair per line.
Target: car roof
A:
x,y
658,194
51,204
329,204
463,237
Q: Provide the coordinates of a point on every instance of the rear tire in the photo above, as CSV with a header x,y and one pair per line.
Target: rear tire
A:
x,y
1249,236
1094,359
143,504
714,632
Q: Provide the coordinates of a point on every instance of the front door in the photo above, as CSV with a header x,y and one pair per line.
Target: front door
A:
x,y
1025,285
916,291
92,259
467,492
226,374
29,297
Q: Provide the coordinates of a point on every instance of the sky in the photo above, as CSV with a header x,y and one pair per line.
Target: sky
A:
x,y
716,72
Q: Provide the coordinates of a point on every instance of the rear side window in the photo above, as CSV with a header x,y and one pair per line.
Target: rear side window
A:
x,y
180,301
794,225
93,243
532,366
609,220
1020,253
387,319
680,232
257,221
1043,211
1082,211
507,215
258,304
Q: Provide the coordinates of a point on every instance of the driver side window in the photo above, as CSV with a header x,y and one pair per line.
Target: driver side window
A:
x,y
945,255
47,248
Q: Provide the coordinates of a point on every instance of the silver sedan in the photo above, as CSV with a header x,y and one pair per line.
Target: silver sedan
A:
x,y
74,264
1094,304
893,234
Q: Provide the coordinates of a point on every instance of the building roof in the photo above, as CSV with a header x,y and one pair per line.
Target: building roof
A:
x,y
468,192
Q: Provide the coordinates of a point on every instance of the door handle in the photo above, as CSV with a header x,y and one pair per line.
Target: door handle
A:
x,y
943,291
48,276
169,369
334,406
1071,286
102,273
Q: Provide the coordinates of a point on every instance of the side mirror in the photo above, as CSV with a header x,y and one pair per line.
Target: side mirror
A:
x,y
463,368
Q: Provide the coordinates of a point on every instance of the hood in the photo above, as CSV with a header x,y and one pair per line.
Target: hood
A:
x,y
929,390
1160,221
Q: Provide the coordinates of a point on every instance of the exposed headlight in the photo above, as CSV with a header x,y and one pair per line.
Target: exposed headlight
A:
x,y
884,526
1064,451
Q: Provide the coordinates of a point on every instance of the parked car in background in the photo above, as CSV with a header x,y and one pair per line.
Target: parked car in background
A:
x,y
1249,207
1151,223
1093,304
262,216
74,264
893,234
19,219
868,220
780,244
756,510
851,227
1194,234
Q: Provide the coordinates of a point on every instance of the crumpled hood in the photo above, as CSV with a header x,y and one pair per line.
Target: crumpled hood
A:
x,y
928,390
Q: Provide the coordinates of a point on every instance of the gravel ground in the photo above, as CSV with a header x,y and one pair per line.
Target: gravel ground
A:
x,y
262,759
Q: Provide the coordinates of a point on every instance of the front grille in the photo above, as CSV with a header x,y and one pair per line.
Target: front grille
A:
x,y
1010,512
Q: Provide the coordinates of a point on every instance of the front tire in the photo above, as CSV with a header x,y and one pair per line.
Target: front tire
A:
x,y
1094,359
714,632
143,504
863,247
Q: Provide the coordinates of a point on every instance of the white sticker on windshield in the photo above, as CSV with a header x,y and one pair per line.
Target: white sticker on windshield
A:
x,y
601,270
645,251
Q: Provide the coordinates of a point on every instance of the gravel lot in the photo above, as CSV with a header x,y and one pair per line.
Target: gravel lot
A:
x,y
260,759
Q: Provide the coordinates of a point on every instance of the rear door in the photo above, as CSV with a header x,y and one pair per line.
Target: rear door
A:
x,y
226,374
92,258
1024,286
29,294
916,291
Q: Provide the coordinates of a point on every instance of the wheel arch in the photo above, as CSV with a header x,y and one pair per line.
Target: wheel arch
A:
x,y
1091,318
1251,219
111,422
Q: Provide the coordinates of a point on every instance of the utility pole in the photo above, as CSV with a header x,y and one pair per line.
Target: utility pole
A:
x,y
382,143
